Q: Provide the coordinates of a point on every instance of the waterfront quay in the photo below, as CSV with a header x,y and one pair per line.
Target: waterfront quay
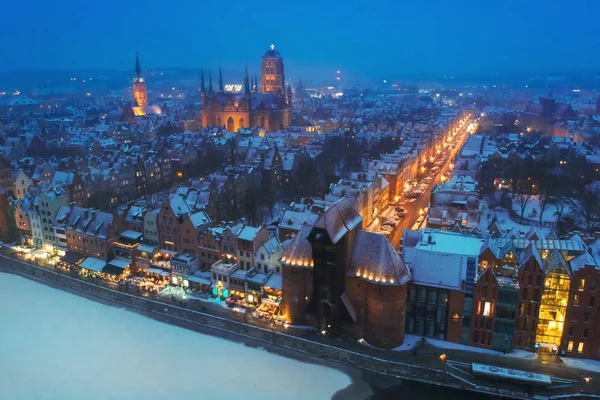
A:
x,y
423,363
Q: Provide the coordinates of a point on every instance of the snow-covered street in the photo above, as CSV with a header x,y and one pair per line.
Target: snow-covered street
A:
x,y
55,345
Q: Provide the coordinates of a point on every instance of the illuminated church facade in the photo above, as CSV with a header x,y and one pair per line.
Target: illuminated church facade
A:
x,y
269,107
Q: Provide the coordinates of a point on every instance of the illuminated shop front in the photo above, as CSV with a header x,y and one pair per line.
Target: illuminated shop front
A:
x,y
220,291
221,272
553,307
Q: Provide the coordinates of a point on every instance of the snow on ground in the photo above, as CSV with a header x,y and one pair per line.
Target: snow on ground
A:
x,y
503,220
532,210
55,345
578,363
410,341
442,344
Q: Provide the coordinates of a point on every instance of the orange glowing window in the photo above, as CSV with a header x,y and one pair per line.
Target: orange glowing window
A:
x,y
487,308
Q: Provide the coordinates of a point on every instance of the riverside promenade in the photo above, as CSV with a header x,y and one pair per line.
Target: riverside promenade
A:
x,y
423,366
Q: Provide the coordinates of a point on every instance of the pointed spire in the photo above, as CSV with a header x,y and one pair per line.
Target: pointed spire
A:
x,y
138,69
210,87
202,86
220,80
256,82
246,81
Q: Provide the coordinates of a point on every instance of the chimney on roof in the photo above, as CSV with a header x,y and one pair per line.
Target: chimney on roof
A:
x,y
85,214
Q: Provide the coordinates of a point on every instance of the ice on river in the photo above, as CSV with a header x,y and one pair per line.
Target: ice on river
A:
x,y
55,345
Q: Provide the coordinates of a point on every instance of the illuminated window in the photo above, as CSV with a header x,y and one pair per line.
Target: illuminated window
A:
x,y
570,346
580,347
487,307
581,284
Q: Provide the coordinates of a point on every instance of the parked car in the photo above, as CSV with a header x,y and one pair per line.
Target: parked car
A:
x,y
390,222
400,211
386,228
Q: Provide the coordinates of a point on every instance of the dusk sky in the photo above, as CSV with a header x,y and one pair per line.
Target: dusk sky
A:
x,y
366,40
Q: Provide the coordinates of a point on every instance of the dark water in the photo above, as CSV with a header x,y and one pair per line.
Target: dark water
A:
x,y
422,391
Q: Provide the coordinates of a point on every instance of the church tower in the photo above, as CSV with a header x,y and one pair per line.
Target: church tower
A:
x,y
139,85
273,79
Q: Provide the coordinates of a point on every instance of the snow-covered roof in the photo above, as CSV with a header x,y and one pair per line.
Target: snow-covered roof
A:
x,y
439,258
119,263
274,282
299,251
248,233
374,259
93,264
339,219
129,234
199,218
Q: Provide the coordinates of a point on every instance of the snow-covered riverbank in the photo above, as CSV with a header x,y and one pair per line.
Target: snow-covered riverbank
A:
x,y
55,345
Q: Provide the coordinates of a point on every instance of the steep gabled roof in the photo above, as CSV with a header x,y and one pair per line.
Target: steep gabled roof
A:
x,y
529,252
374,259
582,260
339,219
299,251
555,259
491,245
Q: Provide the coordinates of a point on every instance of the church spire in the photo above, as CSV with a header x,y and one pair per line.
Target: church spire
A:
x,y
138,69
220,80
210,87
202,88
246,82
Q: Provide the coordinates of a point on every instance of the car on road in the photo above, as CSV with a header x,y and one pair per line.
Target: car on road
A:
x,y
400,211
390,222
386,228
428,179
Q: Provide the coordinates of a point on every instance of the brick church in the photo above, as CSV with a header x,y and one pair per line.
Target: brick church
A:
x,y
268,106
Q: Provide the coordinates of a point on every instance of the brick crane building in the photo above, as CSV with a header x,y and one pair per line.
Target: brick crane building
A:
x,y
344,280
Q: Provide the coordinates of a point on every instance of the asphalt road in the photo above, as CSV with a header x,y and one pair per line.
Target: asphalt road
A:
x,y
413,206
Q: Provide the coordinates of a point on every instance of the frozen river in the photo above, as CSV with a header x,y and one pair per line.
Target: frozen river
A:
x,y
55,345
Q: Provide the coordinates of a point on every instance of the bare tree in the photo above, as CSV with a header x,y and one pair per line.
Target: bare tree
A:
x,y
560,203
523,199
544,198
590,211
544,201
